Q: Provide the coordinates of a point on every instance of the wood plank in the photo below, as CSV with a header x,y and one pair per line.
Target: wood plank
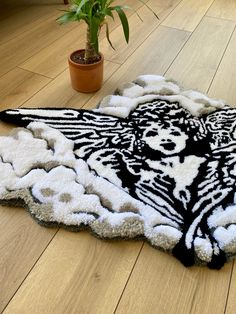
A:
x,y
8,9
231,303
27,17
18,85
76,274
197,63
59,92
188,14
19,49
160,284
163,7
159,57
139,31
22,241
224,83
223,9
52,60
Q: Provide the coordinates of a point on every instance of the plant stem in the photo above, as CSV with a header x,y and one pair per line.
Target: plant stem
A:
x,y
90,52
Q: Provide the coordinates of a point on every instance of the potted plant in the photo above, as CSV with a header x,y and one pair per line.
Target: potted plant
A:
x,y
86,65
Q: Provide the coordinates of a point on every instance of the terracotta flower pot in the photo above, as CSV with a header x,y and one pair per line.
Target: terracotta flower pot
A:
x,y
86,78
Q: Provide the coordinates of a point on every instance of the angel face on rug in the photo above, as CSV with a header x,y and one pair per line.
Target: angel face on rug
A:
x,y
168,141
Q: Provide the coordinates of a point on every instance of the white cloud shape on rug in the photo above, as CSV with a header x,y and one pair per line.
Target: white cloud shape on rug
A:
x,y
43,163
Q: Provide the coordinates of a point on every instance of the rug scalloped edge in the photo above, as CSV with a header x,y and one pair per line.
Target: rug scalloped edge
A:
x,y
35,214
19,202
147,88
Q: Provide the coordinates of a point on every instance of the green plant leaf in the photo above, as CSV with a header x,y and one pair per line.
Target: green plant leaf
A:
x,y
108,12
94,13
108,37
81,4
124,21
66,18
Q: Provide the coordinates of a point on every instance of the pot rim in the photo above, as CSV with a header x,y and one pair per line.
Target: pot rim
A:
x,y
82,64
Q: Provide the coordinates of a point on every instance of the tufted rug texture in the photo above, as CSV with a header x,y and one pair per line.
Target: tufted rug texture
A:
x,y
151,162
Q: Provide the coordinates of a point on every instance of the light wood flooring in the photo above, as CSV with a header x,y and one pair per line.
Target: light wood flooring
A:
x,y
55,271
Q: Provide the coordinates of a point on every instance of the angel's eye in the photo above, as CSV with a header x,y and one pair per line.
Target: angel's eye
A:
x,y
175,133
151,133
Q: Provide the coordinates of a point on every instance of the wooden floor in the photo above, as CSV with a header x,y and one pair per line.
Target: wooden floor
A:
x,y
55,271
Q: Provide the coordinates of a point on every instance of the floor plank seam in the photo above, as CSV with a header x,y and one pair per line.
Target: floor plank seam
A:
x,y
36,73
178,4
196,26
65,34
194,299
221,59
110,60
159,25
209,8
145,38
123,291
191,34
30,271
34,94
230,280
220,18
177,29
8,71
25,60
64,70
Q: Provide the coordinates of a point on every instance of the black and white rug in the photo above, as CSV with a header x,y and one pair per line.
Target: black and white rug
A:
x,y
152,161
